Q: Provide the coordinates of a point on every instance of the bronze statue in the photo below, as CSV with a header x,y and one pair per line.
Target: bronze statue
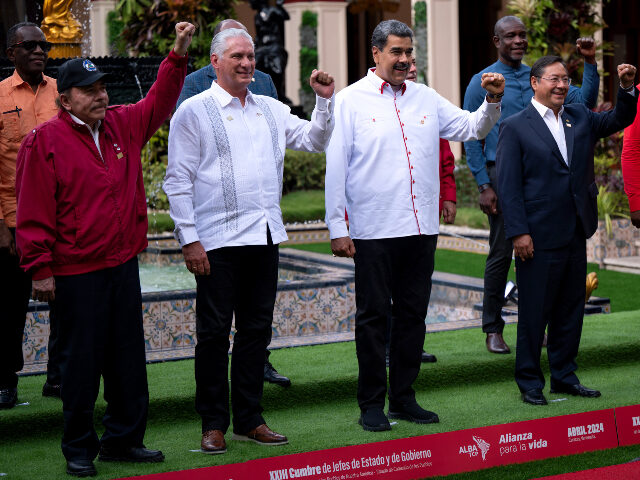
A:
x,y
271,57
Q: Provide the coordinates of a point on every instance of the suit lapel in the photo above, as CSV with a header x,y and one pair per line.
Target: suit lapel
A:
x,y
541,129
569,128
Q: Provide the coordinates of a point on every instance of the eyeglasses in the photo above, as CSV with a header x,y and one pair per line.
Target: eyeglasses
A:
x,y
30,45
555,80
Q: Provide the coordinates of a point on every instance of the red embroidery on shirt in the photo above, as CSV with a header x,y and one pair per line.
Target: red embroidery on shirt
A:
x,y
406,149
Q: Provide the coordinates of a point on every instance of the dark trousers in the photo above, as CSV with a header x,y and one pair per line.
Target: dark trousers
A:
x,y
101,333
400,269
497,267
243,280
551,290
15,290
54,375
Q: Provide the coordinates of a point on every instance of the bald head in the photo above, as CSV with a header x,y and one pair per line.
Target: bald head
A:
x,y
502,23
228,23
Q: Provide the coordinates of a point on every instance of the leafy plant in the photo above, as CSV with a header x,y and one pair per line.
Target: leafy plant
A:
x,y
150,25
610,204
154,167
308,58
303,171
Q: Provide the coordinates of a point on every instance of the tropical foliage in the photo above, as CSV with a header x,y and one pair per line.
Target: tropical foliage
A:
x,y
148,25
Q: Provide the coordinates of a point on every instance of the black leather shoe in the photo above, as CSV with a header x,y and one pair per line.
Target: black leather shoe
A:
x,y
413,413
50,390
271,375
130,454
534,397
8,397
577,390
374,420
81,468
428,357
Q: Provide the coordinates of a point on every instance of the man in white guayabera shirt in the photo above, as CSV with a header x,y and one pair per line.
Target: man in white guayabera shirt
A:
x,y
383,166
224,183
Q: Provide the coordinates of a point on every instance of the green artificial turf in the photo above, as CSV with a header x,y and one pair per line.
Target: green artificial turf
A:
x,y
302,206
467,387
621,288
471,217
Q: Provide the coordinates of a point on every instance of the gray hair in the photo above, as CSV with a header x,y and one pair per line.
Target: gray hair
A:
x,y
219,42
389,27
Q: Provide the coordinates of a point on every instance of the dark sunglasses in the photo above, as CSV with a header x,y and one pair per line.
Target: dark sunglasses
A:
x,y
30,45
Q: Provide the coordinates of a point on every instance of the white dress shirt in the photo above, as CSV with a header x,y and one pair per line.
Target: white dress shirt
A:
x,y
383,158
224,177
554,124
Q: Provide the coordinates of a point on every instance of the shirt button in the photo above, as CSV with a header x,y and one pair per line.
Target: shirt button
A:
x,y
413,181
416,211
414,196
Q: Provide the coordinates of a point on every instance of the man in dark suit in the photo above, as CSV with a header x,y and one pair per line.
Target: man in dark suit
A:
x,y
548,197
261,84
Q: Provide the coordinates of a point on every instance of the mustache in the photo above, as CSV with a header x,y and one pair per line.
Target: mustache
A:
x,y
401,66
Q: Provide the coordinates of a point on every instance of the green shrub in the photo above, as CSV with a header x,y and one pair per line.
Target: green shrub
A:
x,y
466,186
303,171
154,168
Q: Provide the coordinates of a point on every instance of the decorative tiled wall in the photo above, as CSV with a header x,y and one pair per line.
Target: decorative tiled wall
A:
x,y
315,304
621,243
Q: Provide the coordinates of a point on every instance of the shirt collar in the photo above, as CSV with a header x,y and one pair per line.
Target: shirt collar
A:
x,y
543,110
380,84
80,122
224,97
16,80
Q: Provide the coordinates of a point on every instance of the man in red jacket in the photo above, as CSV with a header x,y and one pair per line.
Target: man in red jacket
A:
x,y
82,220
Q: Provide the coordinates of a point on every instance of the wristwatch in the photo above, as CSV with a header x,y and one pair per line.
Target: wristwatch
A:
x,y
627,89
496,95
483,187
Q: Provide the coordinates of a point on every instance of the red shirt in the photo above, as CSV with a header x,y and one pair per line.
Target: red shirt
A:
x,y
447,180
631,163
80,210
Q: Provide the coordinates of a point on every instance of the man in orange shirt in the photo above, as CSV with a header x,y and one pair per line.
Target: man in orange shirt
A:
x,y
27,98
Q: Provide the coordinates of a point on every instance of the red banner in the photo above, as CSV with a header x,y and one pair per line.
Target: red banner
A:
x,y
429,455
628,423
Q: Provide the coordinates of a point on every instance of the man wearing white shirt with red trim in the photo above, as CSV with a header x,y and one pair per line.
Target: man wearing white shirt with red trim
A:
x,y
224,183
383,167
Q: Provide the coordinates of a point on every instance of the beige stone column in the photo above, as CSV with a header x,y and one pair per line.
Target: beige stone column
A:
x,y
443,49
332,42
99,30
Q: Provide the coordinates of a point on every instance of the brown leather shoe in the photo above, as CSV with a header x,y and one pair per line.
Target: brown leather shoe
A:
x,y
262,435
496,344
213,442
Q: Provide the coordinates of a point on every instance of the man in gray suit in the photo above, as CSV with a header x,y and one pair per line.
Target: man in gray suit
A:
x,y
261,84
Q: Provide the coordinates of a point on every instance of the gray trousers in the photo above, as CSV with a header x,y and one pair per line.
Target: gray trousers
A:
x,y
497,266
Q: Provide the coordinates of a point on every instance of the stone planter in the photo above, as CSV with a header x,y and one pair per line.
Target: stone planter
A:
x,y
621,243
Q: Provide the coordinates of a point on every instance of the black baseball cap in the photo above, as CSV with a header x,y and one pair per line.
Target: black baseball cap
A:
x,y
78,72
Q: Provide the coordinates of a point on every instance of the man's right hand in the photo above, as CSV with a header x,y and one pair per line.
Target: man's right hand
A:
x,y
523,246
6,239
43,290
489,201
343,247
635,218
196,259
